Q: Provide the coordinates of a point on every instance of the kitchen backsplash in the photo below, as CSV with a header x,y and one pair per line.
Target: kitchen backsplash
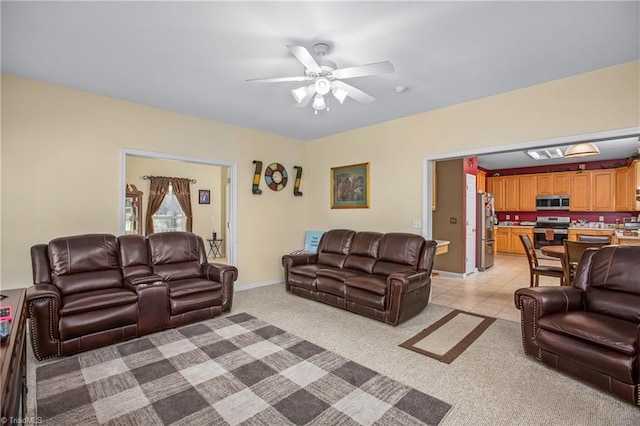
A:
x,y
609,217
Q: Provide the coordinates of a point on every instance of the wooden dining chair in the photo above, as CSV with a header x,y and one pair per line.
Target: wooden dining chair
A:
x,y
535,269
572,253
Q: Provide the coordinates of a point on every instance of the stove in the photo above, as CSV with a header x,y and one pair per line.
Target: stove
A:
x,y
550,231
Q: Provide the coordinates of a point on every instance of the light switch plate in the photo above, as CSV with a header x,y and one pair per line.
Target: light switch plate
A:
x,y
600,218
417,223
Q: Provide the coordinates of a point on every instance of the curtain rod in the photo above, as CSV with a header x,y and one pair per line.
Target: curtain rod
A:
x,y
145,177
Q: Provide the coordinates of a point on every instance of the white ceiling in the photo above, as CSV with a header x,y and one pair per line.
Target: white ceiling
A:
x,y
194,57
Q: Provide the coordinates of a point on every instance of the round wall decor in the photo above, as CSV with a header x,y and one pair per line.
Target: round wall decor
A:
x,y
276,176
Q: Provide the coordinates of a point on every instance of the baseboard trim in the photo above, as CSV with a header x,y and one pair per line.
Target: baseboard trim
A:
x,y
450,274
257,285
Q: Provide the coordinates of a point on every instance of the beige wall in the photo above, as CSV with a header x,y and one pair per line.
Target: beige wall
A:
x,y
603,100
62,173
61,160
206,217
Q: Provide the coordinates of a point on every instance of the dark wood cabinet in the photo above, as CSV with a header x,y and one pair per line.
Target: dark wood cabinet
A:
x,y
13,354
133,211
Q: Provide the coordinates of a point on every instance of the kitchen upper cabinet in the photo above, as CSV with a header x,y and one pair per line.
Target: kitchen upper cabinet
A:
x,y
593,190
553,183
511,192
545,184
495,186
481,181
527,188
626,183
603,190
579,192
560,183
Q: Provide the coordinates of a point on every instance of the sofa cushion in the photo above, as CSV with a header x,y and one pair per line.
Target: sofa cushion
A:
x,y
178,271
134,255
181,288
97,299
364,251
365,297
612,333
614,364
618,304
89,254
309,270
373,283
398,252
332,280
89,322
334,247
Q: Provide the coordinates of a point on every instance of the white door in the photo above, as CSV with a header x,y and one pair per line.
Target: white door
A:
x,y
470,221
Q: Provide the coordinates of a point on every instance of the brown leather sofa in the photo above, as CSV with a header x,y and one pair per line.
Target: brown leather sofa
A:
x,y
382,276
96,289
590,330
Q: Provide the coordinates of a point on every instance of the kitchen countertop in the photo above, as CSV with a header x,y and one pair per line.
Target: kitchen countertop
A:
x,y
515,226
619,234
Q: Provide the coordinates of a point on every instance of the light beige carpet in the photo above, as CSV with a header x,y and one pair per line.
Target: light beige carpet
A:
x,y
492,383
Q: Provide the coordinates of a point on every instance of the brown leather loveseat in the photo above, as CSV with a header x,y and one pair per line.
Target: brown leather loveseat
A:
x,y
96,289
591,329
383,276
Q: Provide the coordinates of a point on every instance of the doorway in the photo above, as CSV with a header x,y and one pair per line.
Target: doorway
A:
x,y
215,213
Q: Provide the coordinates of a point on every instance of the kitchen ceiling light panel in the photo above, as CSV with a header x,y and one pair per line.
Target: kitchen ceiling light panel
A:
x,y
581,150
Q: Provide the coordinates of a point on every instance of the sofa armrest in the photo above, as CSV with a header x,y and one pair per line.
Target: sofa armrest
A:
x,y
409,281
133,281
290,260
537,302
43,305
224,274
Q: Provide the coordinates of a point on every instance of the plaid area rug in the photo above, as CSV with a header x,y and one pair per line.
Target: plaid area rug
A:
x,y
230,370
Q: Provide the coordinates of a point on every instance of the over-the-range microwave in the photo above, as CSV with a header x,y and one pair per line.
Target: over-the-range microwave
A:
x,y
552,202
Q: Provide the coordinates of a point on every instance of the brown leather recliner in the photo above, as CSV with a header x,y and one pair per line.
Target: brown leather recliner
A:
x,y
78,301
382,276
592,329
94,290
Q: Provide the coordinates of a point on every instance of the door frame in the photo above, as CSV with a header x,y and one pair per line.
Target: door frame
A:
x,y
232,205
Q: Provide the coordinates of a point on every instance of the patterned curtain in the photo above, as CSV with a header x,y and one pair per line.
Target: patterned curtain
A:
x,y
158,189
183,194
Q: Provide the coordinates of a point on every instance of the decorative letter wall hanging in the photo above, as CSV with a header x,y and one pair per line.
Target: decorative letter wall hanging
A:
x,y
256,178
296,186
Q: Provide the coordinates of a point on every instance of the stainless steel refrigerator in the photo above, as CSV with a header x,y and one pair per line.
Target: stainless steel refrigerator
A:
x,y
485,237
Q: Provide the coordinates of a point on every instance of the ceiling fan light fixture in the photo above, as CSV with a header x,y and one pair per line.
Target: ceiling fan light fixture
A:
x,y
340,94
299,94
581,150
322,86
319,103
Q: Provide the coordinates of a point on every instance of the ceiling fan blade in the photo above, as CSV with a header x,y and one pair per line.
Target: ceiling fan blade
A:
x,y
311,92
354,93
305,57
364,70
279,79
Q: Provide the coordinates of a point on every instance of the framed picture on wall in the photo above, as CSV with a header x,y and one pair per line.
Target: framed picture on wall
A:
x,y
204,196
350,187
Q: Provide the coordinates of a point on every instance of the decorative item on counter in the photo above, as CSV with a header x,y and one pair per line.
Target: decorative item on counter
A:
x,y
256,178
296,186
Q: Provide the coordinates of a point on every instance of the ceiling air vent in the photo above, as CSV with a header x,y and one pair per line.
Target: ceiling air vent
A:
x,y
545,153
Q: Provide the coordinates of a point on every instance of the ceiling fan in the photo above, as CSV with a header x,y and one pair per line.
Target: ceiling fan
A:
x,y
326,77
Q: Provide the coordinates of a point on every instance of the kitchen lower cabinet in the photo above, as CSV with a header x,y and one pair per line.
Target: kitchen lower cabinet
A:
x,y
574,232
502,240
508,239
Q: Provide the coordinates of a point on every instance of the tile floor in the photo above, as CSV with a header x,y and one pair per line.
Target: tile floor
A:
x,y
490,292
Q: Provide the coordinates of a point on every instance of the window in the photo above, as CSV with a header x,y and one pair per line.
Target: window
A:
x,y
169,216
